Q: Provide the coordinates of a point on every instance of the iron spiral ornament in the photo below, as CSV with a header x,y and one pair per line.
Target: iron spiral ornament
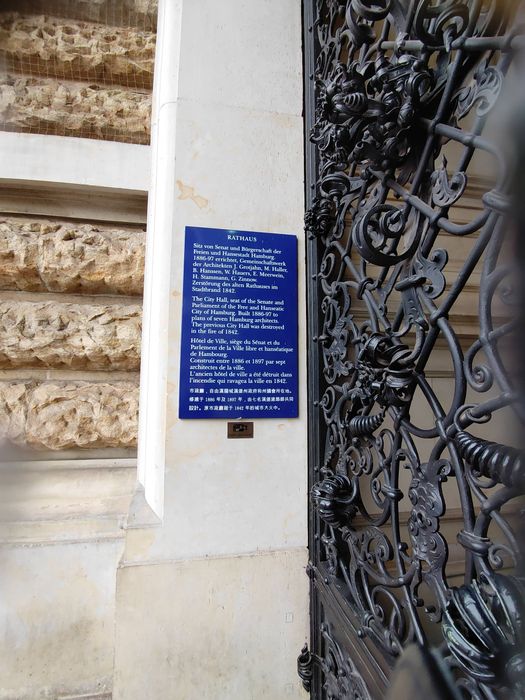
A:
x,y
365,425
493,460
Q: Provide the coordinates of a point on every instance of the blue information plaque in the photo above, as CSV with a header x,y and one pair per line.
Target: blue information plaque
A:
x,y
239,325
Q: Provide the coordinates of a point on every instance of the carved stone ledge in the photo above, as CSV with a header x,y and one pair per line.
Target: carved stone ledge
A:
x,y
41,105
40,45
64,257
65,415
78,336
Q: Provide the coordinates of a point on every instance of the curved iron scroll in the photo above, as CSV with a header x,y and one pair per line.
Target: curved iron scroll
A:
x,y
410,345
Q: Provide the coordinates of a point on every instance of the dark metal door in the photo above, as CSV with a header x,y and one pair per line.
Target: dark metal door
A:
x,y
415,473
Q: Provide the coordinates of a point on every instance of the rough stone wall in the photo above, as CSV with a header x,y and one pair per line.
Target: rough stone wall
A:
x,y
40,105
50,256
50,46
133,13
77,336
69,77
61,415
96,329
75,68
70,332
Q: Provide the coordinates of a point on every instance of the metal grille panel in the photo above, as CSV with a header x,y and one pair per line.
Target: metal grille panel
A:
x,y
412,342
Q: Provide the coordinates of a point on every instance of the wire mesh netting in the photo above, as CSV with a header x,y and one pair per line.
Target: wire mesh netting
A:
x,y
78,67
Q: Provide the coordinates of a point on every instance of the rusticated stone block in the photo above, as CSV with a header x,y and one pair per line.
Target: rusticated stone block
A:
x,y
78,336
66,415
40,45
52,256
41,105
136,13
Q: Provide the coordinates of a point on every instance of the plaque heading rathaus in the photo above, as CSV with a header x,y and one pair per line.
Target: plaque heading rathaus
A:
x,y
239,325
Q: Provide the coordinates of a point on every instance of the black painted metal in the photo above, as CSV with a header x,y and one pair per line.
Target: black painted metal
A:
x,y
393,88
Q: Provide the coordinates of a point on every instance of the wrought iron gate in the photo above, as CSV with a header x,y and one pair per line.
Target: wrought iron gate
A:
x,y
414,503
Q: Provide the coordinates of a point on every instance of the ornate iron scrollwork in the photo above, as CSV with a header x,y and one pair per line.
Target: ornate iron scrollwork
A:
x,y
341,679
399,93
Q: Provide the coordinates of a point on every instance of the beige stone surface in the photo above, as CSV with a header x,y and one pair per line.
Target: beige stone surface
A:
x,y
44,255
58,607
62,415
77,336
47,46
44,105
239,620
